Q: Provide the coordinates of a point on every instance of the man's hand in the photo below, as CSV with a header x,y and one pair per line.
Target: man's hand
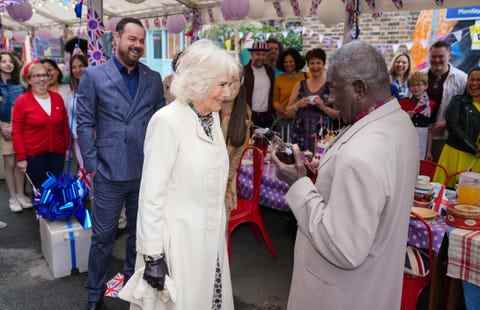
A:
x,y
290,173
155,272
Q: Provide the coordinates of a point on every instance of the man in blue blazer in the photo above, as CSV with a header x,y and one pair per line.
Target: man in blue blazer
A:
x,y
115,103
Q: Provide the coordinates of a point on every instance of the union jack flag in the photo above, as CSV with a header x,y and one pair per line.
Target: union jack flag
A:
x,y
114,285
95,32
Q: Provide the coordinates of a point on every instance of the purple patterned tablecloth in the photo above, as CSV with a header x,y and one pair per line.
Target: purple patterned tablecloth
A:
x,y
272,190
417,233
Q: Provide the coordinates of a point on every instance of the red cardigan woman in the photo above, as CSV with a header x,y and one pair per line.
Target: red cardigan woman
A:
x,y
40,127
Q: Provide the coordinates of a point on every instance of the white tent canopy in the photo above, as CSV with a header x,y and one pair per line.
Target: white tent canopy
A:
x,y
60,12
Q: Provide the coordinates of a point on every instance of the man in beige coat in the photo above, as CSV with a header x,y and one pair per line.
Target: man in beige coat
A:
x,y
352,223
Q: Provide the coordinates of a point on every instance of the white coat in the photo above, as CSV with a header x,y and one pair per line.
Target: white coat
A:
x,y
181,212
352,224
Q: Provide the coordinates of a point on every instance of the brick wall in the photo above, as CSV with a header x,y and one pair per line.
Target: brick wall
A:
x,y
382,32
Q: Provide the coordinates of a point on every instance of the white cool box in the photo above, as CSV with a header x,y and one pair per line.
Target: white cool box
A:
x,y
65,246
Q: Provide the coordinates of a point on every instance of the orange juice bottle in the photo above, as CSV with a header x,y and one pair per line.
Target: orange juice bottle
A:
x,y
468,193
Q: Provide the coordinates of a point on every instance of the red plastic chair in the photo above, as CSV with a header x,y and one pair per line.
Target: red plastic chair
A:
x,y
248,210
413,286
428,167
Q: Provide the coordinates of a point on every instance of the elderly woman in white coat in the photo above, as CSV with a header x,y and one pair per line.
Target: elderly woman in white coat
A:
x,y
181,215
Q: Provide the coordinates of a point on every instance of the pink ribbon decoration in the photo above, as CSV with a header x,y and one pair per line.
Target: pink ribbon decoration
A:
x,y
295,7
278,8
314,7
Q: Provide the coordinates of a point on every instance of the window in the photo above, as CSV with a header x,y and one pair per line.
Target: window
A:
x,y
157,44
174,44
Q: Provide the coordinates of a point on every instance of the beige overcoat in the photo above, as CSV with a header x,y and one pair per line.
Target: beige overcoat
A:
x,y
352,224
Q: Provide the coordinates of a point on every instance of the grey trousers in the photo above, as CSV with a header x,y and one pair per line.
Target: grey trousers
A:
x,y
109,199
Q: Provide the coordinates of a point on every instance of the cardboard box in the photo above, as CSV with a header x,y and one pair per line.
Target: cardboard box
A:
x,y
62,239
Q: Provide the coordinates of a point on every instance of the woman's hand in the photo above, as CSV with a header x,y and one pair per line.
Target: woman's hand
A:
x,y
22,166
319,103
6,130
302,103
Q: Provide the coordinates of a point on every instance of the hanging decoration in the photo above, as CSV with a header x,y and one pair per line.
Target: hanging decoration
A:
x,y
20,11
78,8
146,23
376,13
176,23
331,12
157,22
295,7
19,36
2,45
111,24
398,3
234,9
314,7
278,8
188,16
43,34
95,30
353,11
197,22
211,19
257,9
6,3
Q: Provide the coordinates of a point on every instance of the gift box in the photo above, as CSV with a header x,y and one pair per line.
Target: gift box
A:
x,y
65,246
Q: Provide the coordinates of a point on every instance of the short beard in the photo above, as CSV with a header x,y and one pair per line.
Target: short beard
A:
x,y
126,60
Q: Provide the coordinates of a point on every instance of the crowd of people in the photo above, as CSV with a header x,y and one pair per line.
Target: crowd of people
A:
x,y
167,153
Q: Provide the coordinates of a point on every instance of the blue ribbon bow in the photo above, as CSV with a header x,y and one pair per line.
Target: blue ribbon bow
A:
x,y
61,198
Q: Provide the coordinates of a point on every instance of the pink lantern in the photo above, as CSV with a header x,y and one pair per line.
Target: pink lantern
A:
x,y
176,23
19,36
112,24
235,9
20,12
43,34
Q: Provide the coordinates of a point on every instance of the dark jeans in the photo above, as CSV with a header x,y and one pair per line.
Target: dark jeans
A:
x,y
262,119
109,199
38,166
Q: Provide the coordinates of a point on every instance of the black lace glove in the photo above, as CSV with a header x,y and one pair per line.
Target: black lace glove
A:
x,y
155,272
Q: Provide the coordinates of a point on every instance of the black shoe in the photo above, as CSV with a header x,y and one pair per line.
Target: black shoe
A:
x,y
96,305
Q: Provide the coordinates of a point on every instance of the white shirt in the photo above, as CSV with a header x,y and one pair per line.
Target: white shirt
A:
x,y
261,90
45,103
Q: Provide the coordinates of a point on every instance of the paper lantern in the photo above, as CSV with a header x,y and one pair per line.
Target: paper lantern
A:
x,y
331,12
43,34
257,9
112,24
176,23
19,36
234,9
21,12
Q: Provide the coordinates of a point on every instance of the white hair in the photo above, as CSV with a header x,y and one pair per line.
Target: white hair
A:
x,y
198,68
358,60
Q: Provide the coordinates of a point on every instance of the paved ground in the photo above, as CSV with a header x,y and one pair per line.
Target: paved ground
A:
x,y
259,281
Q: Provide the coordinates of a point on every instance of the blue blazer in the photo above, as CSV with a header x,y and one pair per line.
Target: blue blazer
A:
x,y
111,124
